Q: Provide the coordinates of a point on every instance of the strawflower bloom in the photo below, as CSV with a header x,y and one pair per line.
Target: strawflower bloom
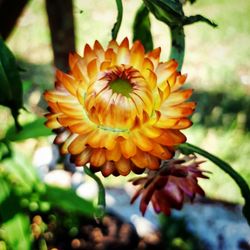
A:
x,y
119,109
169,187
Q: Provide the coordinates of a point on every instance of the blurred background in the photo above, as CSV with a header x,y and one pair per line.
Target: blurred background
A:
x,y
216,61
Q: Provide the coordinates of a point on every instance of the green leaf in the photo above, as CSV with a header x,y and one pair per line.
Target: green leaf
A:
x,y
11,94
141,28
30,130
198,18
21,170
167,11
245,191
68,200
15,224
117,25
17,232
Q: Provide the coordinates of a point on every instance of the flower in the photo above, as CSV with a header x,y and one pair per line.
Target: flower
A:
x,y
119,109
168,187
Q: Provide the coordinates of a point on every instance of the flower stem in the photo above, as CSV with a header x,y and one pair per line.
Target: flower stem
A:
x,y
177,44
101,203
245,191
118,22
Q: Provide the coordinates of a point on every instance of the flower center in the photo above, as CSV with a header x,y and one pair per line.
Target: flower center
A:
x,y
121,86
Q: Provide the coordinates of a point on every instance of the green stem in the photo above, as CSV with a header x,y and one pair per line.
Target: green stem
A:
x,y
245,191
177,44
117,25
101,192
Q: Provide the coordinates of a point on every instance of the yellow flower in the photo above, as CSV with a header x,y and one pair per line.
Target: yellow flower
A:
x,y
119,109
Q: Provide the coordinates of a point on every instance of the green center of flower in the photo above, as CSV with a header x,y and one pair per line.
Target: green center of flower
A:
x,y
121,86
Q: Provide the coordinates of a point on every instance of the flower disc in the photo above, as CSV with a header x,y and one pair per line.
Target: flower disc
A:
x,y
119,109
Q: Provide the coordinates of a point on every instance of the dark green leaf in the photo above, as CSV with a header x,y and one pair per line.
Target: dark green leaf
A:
x,y
198,18
11,94
68,200
245,191
30,130
141,28
117,25
167,11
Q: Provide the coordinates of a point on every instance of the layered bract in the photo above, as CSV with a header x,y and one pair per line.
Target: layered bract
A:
x,y
119,109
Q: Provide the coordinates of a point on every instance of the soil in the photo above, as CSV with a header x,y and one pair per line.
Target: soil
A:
x,y
64,232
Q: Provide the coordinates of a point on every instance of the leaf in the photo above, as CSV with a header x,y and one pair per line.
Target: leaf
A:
x,y
141,28
167,11
198,18
68,200
11,94
245,191
117,25
15,224
21,170
30,130
17,232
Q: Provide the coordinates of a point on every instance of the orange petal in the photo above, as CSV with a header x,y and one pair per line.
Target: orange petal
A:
x,y
173,123
113,155
178,97
141,141
170,137
137,55
65,145
123,55
154,56
92,69
78,145
88,54
123,166
161,152
97,158
68,81
83,158
128,148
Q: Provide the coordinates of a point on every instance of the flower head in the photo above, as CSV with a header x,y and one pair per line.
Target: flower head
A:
x,y
119,109
168,187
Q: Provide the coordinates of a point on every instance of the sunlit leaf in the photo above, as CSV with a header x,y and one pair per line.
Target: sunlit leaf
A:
x,y
141,28
17,232
30,130
117,25
11,94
